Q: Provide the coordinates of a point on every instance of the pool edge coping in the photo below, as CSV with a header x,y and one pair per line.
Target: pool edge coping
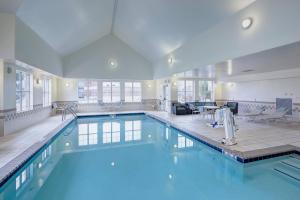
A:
x,y
10,168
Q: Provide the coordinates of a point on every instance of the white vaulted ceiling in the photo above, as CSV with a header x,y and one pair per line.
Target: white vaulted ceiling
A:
x,y
153,28
68,25
157,27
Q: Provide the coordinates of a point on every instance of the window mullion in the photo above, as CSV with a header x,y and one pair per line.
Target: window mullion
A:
x,y
21,104
88,92
111,95
185,91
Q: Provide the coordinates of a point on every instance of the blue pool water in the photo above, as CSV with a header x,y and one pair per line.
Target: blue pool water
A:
x,y
136,157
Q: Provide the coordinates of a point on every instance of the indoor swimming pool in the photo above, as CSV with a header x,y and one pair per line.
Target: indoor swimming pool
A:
x,y
137,157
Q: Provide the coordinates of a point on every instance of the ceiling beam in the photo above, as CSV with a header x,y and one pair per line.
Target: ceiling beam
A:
x,y
114,16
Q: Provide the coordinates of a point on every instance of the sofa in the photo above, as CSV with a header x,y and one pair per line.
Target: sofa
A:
x,y
189,107
180,109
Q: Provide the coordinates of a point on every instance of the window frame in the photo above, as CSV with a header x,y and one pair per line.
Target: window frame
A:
x,y
132,97
21,91
47,91
88,90
111,92
210,84
185,91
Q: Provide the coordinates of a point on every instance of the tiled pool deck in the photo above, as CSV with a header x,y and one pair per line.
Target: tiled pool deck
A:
x,y
255,141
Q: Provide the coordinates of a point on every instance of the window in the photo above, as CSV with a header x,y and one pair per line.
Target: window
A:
x,y
185,91
47,92
111,132
206,90
24,88
88,91
111,92
133,130
87,134
133,92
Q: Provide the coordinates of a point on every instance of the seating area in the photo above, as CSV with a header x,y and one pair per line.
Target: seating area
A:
x,y
200,107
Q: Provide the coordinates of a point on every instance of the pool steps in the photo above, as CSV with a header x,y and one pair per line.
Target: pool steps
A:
x,y
289,168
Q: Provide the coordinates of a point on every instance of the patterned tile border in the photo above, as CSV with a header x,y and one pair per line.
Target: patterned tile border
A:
x,y
12,114
248,106
145,104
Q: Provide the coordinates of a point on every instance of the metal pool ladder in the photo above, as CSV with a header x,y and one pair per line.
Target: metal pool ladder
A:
x,y
68,108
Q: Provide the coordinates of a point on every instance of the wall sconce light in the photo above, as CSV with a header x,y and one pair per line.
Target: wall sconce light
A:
x,y
247,22
9,70
149,86
38,81
229,67
67,84
231,84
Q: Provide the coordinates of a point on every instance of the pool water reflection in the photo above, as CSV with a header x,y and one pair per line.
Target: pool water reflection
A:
x,y
137,157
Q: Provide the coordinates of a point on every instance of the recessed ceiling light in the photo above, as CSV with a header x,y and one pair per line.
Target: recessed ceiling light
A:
x,y
112,63
247,22
229,67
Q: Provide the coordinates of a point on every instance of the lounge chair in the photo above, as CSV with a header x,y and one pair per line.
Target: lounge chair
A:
x,y
253,113
279,114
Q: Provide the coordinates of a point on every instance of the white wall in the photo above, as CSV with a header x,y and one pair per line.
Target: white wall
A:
x,y
67,89
92,61
9,86
7,36
273,26
31,49
1,84
262,87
